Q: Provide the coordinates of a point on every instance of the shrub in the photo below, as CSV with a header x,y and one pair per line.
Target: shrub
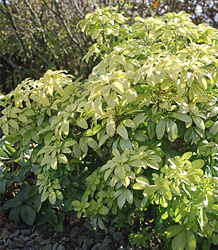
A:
x,y
136,143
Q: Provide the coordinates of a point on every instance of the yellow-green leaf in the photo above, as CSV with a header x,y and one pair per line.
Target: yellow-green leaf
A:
x,y
82,123
69,143
83,144
54,163
172,130
52,198
121,130
62,158
110,127
199,122
13,124
92,143
118,87
112,100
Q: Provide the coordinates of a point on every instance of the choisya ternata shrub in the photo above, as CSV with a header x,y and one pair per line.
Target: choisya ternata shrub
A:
x,y
137,141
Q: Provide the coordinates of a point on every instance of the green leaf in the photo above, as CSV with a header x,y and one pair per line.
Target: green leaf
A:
x,y
179,241
15,202
142,179
44,195
5,128
22,118
125,144
13,124
174,230
129,196
199,122
76,204
120,18
96,129
66,151
54,163
214,129
103,210
187,155
129,123
83,144
138,119
110,127
3,155
62,158
172,130
160,128
77,151
52,198
140,136
14,214
201,80
121,130
215,239
2,186
112,100
121,200
191,241
81,122
118,87
107,173
181,117
65,128
151,129
51,216
197,164
69,143
27,214
46,160
103,139
92,143
139,186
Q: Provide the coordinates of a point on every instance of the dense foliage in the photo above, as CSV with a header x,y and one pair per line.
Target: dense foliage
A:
x,y
38,35
136,143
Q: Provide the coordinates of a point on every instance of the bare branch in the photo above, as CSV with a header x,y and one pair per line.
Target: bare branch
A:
x,y
13,24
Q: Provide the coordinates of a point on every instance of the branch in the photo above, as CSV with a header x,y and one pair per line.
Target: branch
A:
x,y
66,28
120,6
77,8
13,24
39,24
13,65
